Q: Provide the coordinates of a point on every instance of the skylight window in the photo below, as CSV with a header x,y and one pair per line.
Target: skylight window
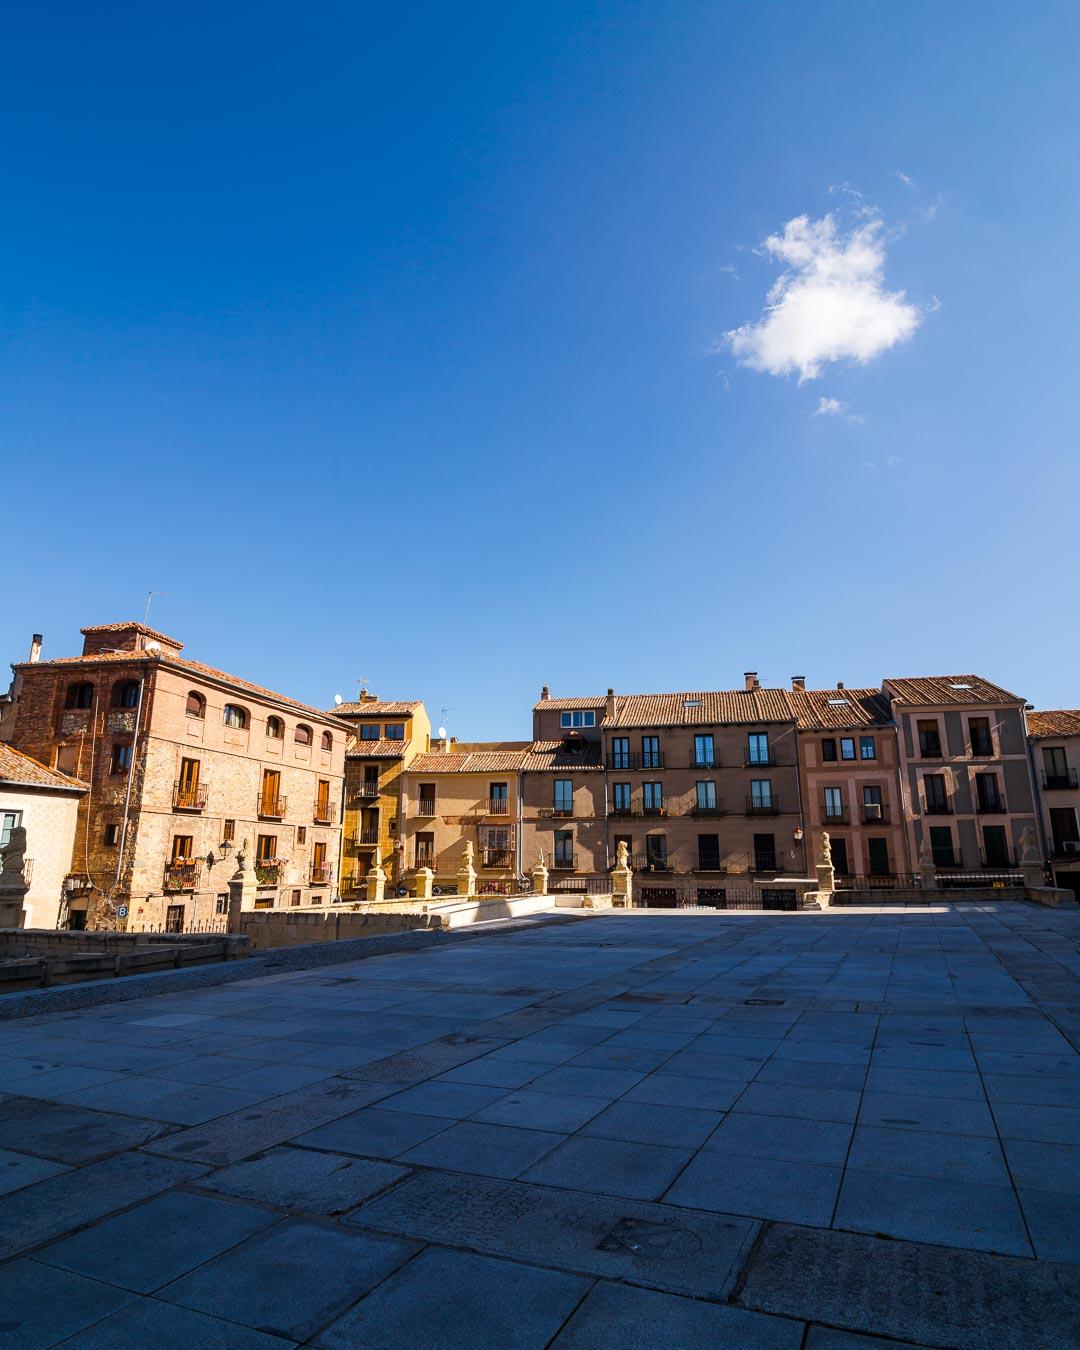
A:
x,y
691,703
959,686
839,702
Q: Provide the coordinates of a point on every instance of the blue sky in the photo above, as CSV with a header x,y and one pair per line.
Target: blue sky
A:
x,y
391,342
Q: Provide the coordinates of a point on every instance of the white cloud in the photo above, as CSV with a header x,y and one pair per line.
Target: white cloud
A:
x,y
832,407
829,304
907,181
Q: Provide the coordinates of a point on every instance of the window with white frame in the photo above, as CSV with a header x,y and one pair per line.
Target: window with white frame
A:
x,y
580,717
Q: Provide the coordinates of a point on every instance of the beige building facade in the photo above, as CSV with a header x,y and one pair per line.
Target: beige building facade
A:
x,y
45,804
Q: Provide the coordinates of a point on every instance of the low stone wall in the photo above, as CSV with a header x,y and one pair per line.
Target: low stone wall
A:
x,y
270,928
39,958
953,895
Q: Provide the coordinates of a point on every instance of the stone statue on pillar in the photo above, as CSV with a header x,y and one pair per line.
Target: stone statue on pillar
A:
x,y
540,875
826,874
466,873
622,878
13,882
242,886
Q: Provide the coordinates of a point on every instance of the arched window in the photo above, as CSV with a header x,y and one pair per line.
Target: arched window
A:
x,y
234,716
125,694
327,741
302,734
275,728
196,704
80,696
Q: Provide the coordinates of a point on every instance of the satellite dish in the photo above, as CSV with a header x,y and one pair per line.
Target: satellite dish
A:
x,y
442,733
338,700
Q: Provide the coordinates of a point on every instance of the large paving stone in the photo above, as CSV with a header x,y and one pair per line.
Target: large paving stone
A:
x,y
291,1280
611,1167
413,1066
655,1245
230,1138
294,1178
955,1299
60,1204
71,1134
19,1169
445,1300
620,1317
148,1322
40,1306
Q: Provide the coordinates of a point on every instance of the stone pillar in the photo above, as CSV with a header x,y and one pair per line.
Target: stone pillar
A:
x,y
425,882
466,874
376,880
540,875
242,886
1030,863
13,883
927,870
826,873
622,880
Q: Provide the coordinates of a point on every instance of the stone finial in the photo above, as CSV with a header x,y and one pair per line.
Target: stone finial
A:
x,y
540,858
826,849
622,855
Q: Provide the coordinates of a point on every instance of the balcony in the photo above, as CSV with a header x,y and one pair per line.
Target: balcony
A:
x,y
1055,781
990,806
938,807
650,863
564,862
368,788
763,806
700,812
766,762
840,817
320,874
1066,848
352,887
424,806
653,810
710,862
704,762
873,813
364,838
181,875
497,857
267,872
424,859
633,759
564,812
189,796
623,812
271,807
324,813
997,859
769,863
496,806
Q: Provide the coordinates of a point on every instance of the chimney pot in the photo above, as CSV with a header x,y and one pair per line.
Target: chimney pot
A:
x,y
35,647
839,684
545,693
751,679
798,681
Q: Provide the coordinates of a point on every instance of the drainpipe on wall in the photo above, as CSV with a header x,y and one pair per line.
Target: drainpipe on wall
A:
x,y
130,779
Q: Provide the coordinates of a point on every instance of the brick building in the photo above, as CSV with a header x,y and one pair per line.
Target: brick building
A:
x,y
183,764
386,738
1055,746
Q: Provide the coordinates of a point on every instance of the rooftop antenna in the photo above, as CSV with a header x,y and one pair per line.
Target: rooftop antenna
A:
x,y
442,722
361,687
149,601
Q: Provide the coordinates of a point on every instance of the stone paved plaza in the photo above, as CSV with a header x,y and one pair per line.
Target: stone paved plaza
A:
x,y
638,1129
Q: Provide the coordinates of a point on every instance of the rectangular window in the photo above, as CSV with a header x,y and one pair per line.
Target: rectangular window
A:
x,y
877,851
181,847
424,844
579,718
188,790
563,800
369,731
620,798
936,797
765,853
228,830
121,758
1055,766
867,747
987,792
301,834
425,801
840,857
1065,833
498,799
873,808
564,848
174,919
318,855
995,846
221,904
266,848
650,752
294,899
270,798
395,731
704,752
112,835
828,750
929,740
620,752
708,849
941,846
761,793
757,743
9,820
834,803
847,747
706,795
322,800
652,798
656,850
981,741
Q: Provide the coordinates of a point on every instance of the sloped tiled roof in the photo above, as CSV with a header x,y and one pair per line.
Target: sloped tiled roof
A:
x,y
168,659
707,708
376,708
948,689
824,708
567,704
548,755
503,757
130,626
1054,722
15,767
381,748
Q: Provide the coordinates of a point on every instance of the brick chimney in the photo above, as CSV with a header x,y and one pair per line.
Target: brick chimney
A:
x,y
839,684
35,648
798,682
751,680
609,708
545,694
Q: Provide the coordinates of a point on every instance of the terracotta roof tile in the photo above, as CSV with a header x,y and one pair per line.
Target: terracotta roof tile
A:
x,y
382,748
130,626
15,767
548,755
1054,722
939,690
376,708
820,708
508,758
707,708
567,704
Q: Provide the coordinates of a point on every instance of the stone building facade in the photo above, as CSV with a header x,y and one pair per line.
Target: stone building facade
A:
x,y
386,737
45,804
1055,752
184,765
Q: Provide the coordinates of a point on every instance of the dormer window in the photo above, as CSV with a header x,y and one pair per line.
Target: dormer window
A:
x,y
395,731
370,731
579,718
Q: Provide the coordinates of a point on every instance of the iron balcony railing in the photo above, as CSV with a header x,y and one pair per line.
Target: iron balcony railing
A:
x,y
267,873
189,796
354,885
710,862
942,807
763,806
990,806
654,809
702,761
181,875
424,806
878,881
367,788
324,813
1066,848
271,805
839,816
701,812
947,857
873,813
636,759
320,874
767,862
425,860
497,806
497,857
997,858
764,762
982,749
649,863
564,862
365,838
624,811
1054,781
